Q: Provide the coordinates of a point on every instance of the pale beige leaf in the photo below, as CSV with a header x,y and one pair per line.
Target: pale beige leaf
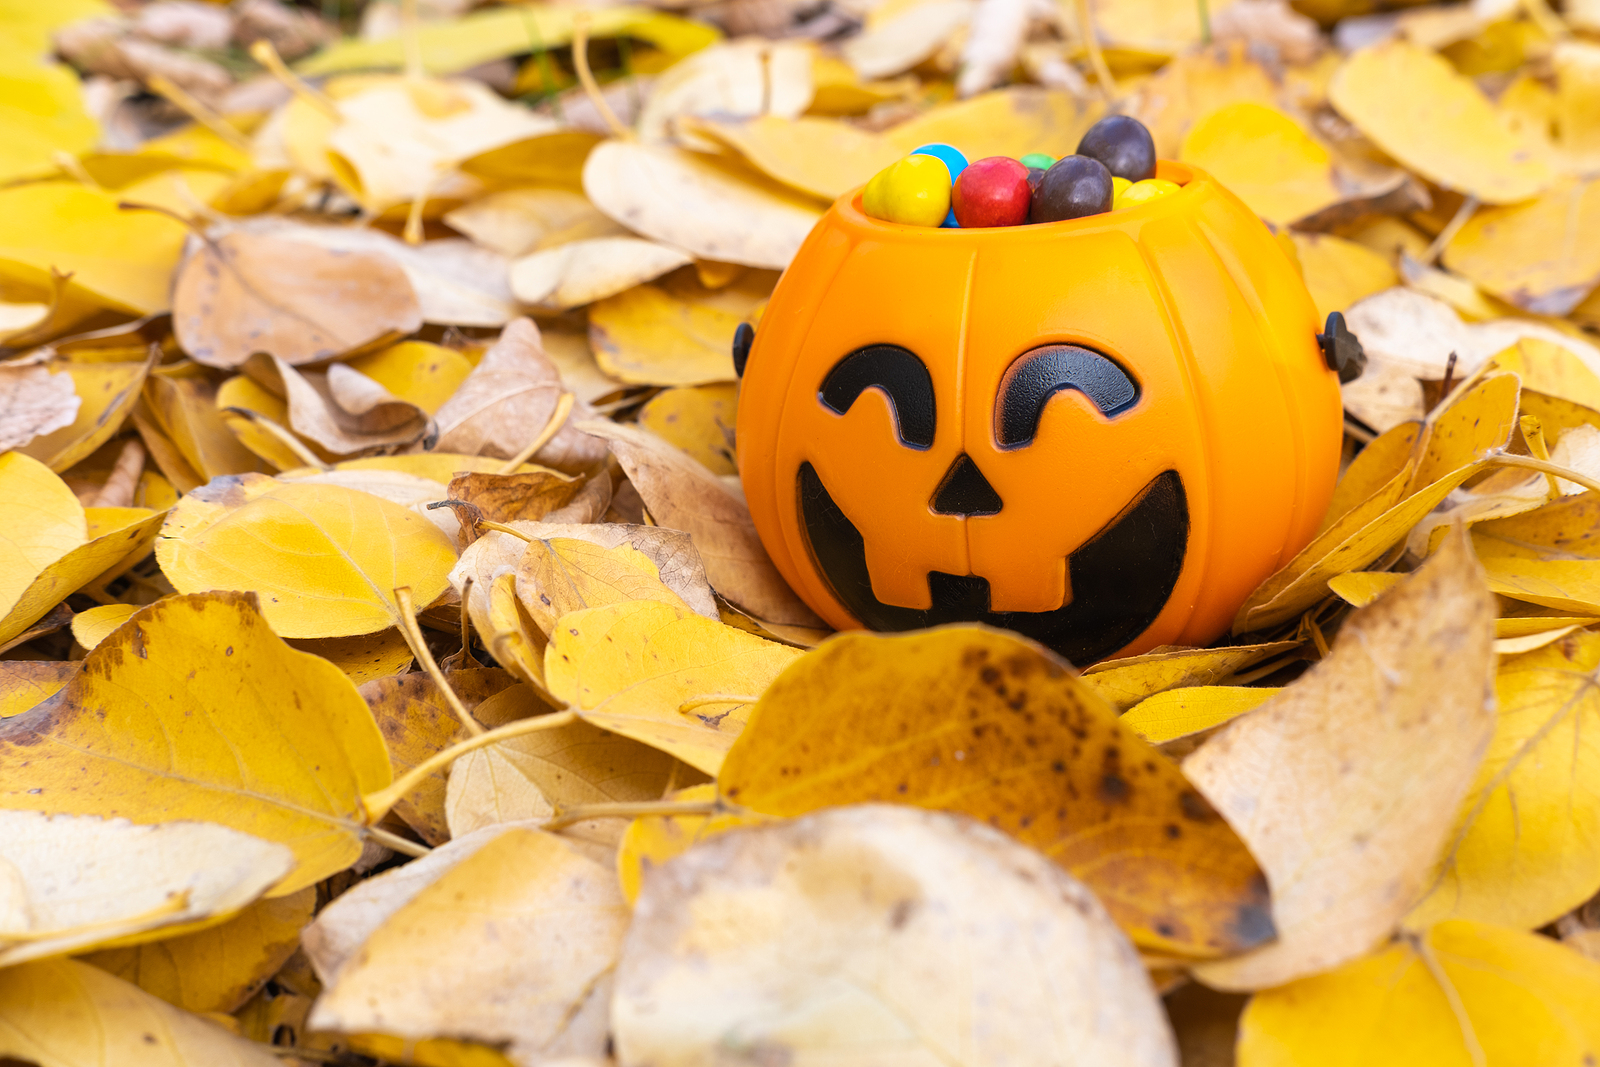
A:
x,y
33,402
1346,784
683,495
85,880
571,275
570,567
900,43
879,935
739,78
340,409
515,222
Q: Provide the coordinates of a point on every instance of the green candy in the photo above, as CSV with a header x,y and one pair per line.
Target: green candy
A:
x,y
1037,159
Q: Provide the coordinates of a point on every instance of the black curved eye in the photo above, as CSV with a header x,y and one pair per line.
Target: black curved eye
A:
x,y
1039,374
900,375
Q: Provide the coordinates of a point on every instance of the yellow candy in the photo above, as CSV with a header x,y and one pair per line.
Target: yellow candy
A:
x,y
914,191
1142,192
1118,187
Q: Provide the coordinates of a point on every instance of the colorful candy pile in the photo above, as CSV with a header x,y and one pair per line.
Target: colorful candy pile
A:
x,y
1114,167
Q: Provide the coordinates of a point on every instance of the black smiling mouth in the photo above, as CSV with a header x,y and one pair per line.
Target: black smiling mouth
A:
x,y
1121,577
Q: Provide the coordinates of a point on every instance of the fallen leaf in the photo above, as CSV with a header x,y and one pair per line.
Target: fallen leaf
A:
x,y
683,495
1448,131
363,658
408,490
1006,122
988,724
1463,993
699,420
652,840
1132,679
740,78
93,625
107,392
507,400
515,222
1266,159
1533,254
649,336
417,372
1550,556
632,667
217,969
1521,852
27,683
562,908
581,272
529,496
185,410
568,568
895,903
64,1013
76,881
1176,713
300,546
1348,813
34,401
287,752
711,207
41,111
822,157
241,293
340,409
912,35
1340,272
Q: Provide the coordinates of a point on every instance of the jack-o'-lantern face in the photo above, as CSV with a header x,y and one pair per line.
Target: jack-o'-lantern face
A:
x,y
1101,433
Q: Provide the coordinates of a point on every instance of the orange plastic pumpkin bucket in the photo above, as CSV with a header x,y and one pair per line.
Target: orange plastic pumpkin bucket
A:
x,y
1102,433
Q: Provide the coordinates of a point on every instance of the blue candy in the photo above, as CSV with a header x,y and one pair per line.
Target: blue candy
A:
x,y
954,161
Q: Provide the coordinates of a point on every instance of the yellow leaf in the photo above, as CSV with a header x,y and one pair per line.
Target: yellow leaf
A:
x,y
1546,367
1345,784
714,207
455,44
41,112
119,260
438,967
1550,556
1340,272
108,392
1447,131
1363,587
1266,159
632,667
1462,995
363,658
699,420
988,724
96,624
1524,850
324,560
1535,255
823,157
74,882
285,751
1006,122
648,336
652,840
1125,682
26,683
1577,101
580,272
554,159
417,723
1472,424
566,569
1374,467
415,371
979,951
1178,713
521,220
187,412
218,969
63,1013
1197,83
40,522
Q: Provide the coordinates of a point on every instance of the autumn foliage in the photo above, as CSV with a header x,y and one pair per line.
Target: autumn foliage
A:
x,y
391,672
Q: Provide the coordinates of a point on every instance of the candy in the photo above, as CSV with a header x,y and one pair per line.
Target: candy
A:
x,y
1035,176
992,192
953,160
1123,145
1076,186
1038,159
1146,191
1118,187
914,191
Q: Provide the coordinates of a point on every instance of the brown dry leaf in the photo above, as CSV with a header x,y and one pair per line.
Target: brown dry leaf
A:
x,y
217,969
581,272
528,496
242,293
982,722
567,568
69,883
1349,812
1127,681
879,934
507,400
683,495
340,409
713,207
34,401
437,966
417,722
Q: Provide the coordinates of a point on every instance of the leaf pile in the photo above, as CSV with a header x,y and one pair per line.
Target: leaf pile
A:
x,y
390,672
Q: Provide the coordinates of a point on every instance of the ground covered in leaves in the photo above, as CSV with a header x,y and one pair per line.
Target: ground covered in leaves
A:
x,y
392,673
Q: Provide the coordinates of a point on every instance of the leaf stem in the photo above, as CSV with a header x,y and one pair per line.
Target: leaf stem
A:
x,y
263,52
631,810
1534,464
580,62
500,527
378,803
408,625
552,427
1097,59
180,98
1451,228
396,842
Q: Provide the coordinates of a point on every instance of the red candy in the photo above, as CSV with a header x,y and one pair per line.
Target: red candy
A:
x,y
992,192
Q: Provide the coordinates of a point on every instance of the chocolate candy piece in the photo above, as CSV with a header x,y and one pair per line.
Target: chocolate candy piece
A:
x,y
1076,186
1035,176
954,160
1123,145
992,192
914,191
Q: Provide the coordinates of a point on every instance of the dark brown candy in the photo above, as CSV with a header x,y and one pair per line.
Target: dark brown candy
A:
x,y
1123,145
1076,186
1035,175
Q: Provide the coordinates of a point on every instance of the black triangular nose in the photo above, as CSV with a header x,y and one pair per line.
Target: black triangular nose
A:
x,y
965,491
